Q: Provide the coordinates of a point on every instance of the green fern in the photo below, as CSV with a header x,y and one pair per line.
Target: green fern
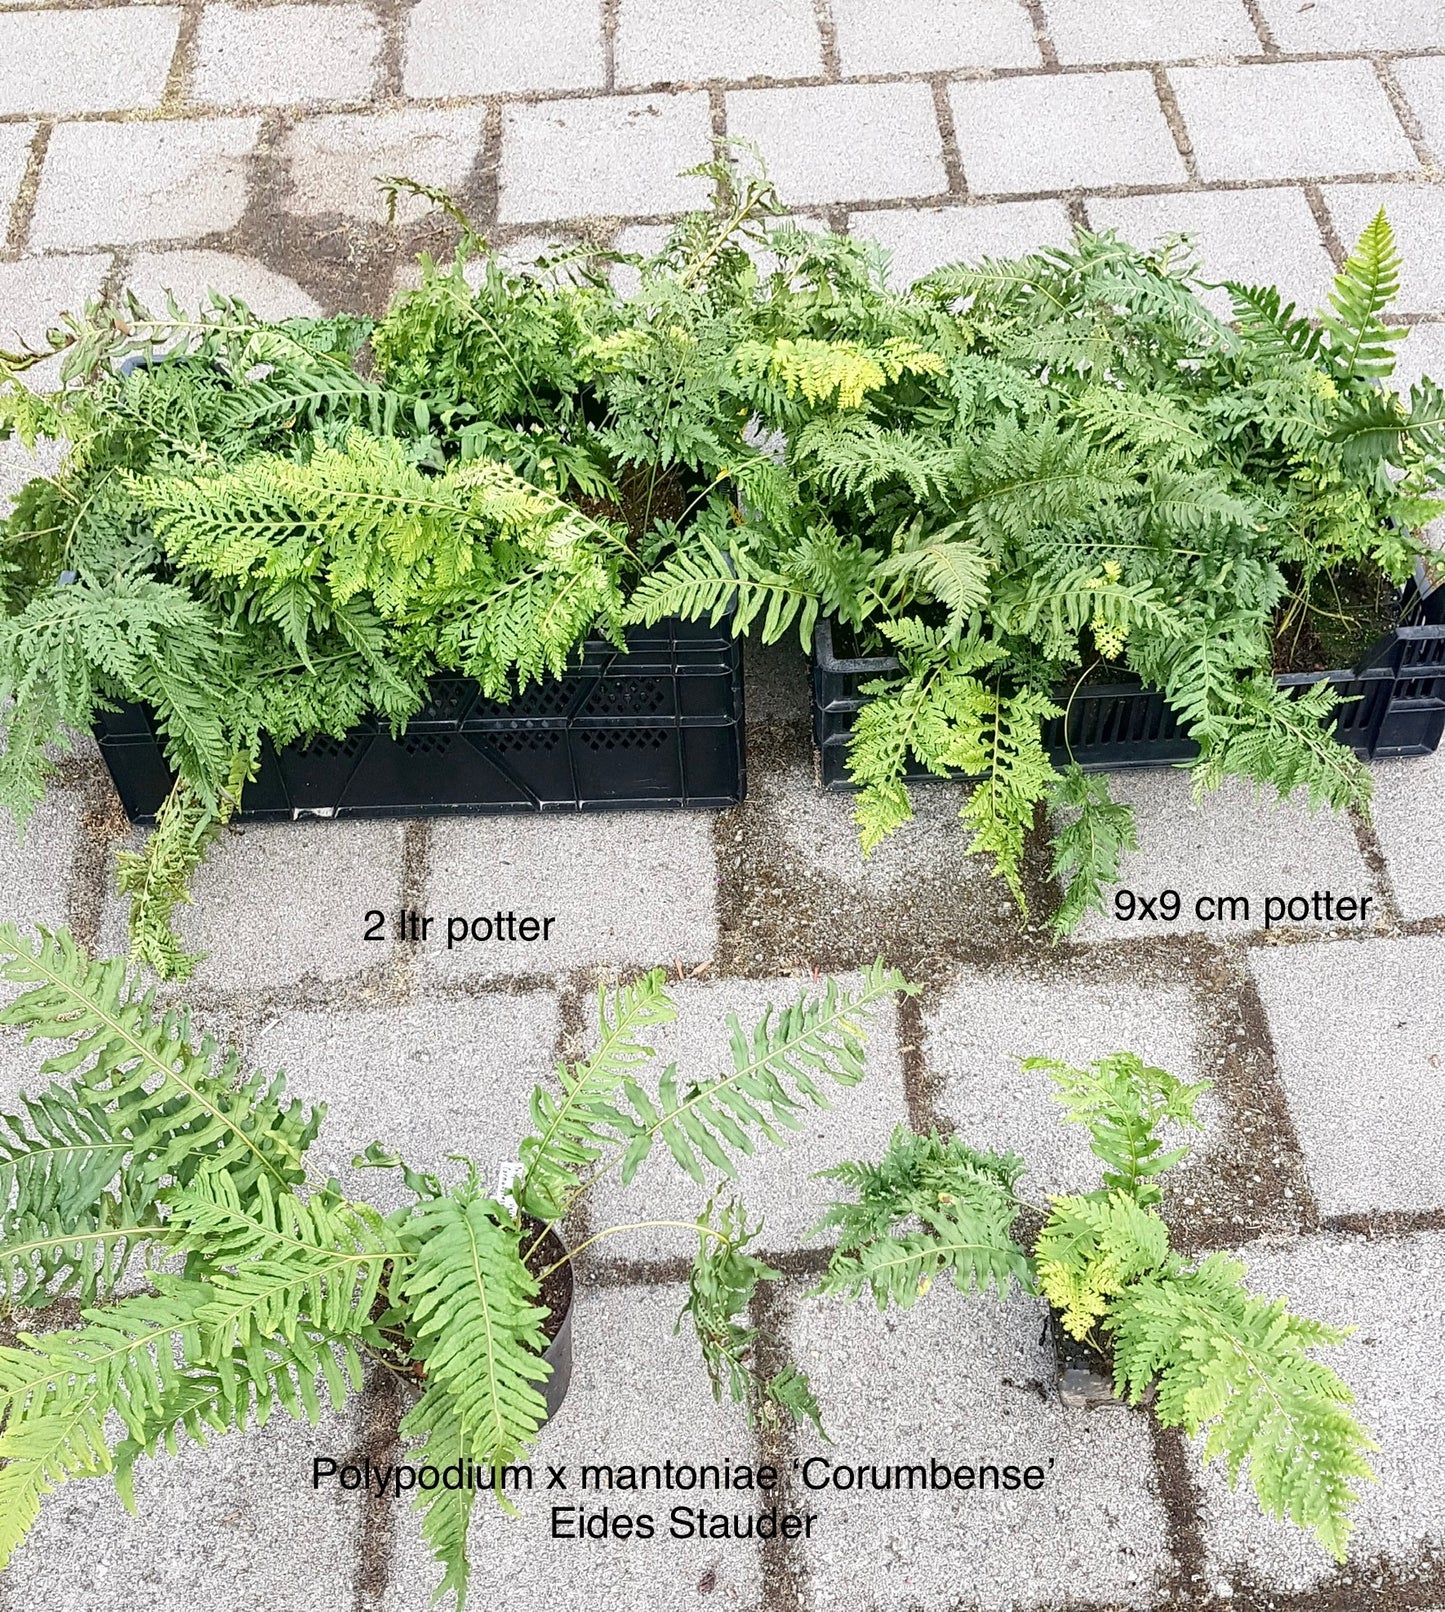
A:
x,y
1235,1368
1359,345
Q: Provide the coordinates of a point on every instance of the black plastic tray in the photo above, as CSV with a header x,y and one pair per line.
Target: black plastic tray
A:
x,y
660,726
1392,704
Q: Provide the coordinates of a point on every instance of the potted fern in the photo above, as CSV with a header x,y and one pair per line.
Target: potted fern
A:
x,y
334,565
1045,517
221,1280
1128,1312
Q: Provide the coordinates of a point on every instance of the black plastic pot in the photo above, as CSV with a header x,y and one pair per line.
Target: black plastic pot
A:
x,y
1392,704
658,727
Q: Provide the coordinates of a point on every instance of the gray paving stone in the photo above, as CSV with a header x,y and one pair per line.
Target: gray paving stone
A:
x,y
1406,814
1390,1289
921,239
1258,236
240,1512
285,55
962,1380
882,140
15,139
682,41
1347,25
190,277
924,36
336,161
1086,130
1149,30
120,183
1423,81
98,60
1234,842
988,1022
480,47
775,1183
1417,216
611,157
1361,1050
284,903
801,893
639,1394
429,1079
34,291
627,889
1421,353
35,863
1282,121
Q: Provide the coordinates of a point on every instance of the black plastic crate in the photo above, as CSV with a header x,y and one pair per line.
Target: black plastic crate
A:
x,y
660,726
1392,705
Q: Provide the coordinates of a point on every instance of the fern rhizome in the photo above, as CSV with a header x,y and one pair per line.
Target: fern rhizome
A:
x,y
1014,478
1232,1369
222,1281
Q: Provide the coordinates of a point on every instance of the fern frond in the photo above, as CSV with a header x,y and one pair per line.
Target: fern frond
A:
x,y
1237,1369
720,1287
474,1320
446,1513
1090,1252
175,1104
1360,346
157,879
1088,844
570,1135
1122,1102
779,1068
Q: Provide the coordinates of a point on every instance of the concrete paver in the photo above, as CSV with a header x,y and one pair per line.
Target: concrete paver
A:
x,y
121,183
244,1508
630,889
1259,237
688,41
615,156
921,239
1389,1289
477,47
1417,216
626,1363
255,938
925,36
967,1380
426,1080
15,142
1087,130
1343,25
986,1023
1406,815
1149,30
1361,1053
35,862
1282,121
99,60
1236,842
886,140
191,276
335,161
1422,78
285,55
